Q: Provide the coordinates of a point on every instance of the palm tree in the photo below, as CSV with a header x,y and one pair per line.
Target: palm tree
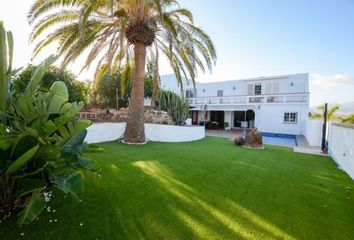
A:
x,y
331,114
117,31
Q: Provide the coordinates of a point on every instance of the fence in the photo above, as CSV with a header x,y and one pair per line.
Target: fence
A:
x,y
313,132
341,146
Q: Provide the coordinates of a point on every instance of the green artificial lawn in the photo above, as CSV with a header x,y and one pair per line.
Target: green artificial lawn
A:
x,y
208,189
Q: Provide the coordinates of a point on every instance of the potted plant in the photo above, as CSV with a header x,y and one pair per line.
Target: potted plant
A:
x,y
227,126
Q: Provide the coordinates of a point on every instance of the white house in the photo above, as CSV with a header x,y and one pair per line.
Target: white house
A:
x,y
277,104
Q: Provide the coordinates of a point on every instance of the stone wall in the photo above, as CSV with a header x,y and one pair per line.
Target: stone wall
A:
x,y
121,115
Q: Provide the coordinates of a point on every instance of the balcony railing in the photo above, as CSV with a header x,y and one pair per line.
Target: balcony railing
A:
x,y
259,99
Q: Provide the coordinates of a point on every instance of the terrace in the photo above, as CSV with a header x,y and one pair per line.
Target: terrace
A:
x,y
250,100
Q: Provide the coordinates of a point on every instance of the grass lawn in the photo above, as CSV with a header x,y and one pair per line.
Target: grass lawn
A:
x,y
208,189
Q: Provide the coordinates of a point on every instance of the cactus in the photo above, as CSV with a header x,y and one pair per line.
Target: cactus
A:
x,y
6,55
177,107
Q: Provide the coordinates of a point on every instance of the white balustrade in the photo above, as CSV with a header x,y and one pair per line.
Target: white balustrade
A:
x,y
259,99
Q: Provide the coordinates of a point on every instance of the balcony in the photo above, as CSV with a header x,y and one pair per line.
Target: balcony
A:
x,y
251,100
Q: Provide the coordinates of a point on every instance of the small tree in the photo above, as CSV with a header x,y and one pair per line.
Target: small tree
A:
x,y
331,115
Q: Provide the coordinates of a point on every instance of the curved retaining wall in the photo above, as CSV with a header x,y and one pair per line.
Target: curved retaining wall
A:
x,y
105,132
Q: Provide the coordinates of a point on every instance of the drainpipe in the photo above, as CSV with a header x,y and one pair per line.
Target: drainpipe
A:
x,y
324,128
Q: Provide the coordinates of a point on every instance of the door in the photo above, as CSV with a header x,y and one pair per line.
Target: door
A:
x,y
195,118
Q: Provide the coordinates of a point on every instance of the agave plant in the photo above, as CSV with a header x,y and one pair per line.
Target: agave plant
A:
x,y
177,107
117,31
41,147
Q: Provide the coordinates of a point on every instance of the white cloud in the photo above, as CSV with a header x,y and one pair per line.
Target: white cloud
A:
x,y
336,80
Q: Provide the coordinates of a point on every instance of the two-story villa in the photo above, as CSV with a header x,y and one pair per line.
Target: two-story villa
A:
x,y
278,104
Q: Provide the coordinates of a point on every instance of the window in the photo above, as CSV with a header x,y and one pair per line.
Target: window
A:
x,y
189,94
290,117
257,89
220,93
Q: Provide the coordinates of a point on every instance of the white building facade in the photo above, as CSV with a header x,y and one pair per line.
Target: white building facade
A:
x,y
277,104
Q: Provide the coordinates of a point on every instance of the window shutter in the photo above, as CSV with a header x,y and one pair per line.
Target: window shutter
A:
x,y
250,89
268,89
276,88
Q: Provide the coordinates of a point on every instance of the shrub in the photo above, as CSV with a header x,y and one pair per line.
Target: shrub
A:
x,y
348,119
177,107
41,147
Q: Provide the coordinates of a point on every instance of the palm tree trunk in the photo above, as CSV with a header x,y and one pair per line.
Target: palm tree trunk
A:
x,y
135,131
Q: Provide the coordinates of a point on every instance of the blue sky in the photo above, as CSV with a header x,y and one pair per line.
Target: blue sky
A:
x,y
277,36
256,38
260,38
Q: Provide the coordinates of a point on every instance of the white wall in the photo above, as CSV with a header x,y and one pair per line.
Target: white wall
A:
x,y
211,89
270,118
293,83
147,102
201,116
341,146
105,132
228,118
168,133
169,82
313,132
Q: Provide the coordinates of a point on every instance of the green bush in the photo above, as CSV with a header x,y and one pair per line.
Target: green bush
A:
x,y
41,140
177,107
78,91
41,147
348,119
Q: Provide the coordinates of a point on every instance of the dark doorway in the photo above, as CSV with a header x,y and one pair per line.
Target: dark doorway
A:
x,y
241,116
250,116
195,118
217,117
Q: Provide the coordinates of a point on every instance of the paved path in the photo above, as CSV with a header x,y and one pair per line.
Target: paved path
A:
x,y
231,134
